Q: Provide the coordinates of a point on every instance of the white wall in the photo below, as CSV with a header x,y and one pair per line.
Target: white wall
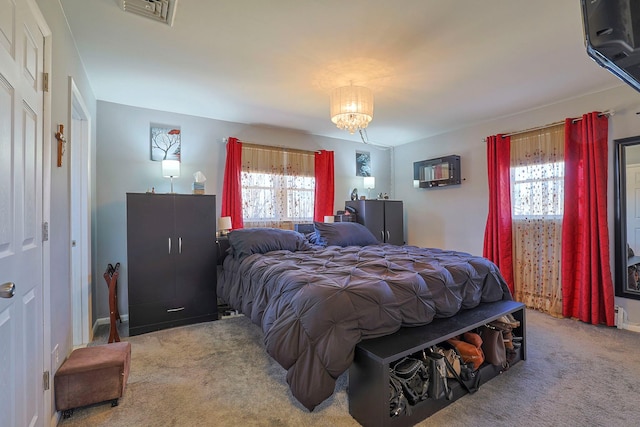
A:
x,y
124,165
454,217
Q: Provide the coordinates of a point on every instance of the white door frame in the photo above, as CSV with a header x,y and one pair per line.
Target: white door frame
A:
x,y
46,212
80,210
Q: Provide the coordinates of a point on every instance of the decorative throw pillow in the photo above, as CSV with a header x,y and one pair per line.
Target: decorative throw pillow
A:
x,y
247,241
344,234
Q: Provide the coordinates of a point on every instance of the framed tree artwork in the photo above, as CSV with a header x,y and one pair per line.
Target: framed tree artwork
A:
x,y
165,142
363,163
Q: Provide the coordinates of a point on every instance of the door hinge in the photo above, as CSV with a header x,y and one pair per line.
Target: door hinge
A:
x,y
45,380
45,231
45,82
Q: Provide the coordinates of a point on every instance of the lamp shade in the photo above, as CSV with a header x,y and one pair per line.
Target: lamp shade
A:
x,y
351,107
369,182
224,223
171,168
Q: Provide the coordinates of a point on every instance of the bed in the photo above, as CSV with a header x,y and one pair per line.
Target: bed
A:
x,y
316,296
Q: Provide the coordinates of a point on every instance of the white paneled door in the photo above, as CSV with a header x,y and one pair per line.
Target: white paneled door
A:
x,y
21,236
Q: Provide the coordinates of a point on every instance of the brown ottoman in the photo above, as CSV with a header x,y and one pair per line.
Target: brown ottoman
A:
x,y
91,375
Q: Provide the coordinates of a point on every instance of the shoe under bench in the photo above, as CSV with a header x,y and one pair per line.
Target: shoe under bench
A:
x,y
368,390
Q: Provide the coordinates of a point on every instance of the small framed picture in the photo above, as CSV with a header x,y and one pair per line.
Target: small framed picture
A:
x,y
165,142
363,163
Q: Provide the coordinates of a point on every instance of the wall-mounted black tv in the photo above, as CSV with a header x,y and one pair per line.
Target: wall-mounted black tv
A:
x,y
612,36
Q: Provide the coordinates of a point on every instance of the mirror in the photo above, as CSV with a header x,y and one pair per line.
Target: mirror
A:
x,y
627,217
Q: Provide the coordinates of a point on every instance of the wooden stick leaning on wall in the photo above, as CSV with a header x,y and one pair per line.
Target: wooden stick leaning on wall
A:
x,y
111,277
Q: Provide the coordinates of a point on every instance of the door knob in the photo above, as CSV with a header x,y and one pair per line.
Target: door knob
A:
x,y
7,290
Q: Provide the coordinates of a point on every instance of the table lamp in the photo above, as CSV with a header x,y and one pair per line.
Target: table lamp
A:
x,y
171,169
369,183
224,225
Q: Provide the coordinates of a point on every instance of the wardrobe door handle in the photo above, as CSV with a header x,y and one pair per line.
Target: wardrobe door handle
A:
x,y
179,245
169,245
382,235
388,236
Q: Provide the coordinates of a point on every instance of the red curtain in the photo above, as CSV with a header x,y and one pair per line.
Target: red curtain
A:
x,y
324,192
587,288
231,186
497,234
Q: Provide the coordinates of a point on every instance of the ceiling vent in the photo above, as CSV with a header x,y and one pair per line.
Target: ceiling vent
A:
x,y
158,10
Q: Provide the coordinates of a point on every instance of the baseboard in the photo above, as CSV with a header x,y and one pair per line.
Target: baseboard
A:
x,y
621,320
106,321
634,327
55,419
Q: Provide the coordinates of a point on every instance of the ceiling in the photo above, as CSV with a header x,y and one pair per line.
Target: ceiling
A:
x,y
433,65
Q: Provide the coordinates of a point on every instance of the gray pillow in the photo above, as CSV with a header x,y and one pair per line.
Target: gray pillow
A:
x,y
344,234
247,241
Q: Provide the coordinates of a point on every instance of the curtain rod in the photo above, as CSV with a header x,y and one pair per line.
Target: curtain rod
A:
x,y
604,113
262,146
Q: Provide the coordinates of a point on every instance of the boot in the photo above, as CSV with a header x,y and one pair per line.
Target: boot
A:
x,y
507,337
511,342
502,324
506,320
513,320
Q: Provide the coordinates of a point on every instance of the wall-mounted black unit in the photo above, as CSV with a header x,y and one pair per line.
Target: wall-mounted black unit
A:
x,y
612,36
436,172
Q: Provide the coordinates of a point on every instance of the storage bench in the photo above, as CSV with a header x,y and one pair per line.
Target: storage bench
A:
x,y
369,374
92,375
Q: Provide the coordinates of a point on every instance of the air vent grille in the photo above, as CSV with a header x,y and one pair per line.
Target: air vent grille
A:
x,y
158,10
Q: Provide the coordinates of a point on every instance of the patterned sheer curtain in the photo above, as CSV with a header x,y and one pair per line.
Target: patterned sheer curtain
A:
x,y
537,185
277,186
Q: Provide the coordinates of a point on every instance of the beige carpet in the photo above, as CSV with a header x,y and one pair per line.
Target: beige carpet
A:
x,y
218,374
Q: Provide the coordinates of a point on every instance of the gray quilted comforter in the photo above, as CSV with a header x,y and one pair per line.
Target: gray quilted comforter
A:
x,y
314,306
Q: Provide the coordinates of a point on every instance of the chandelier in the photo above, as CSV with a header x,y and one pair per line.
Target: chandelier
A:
x,y
351,107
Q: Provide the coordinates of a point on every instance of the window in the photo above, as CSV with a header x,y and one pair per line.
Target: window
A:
x,y
278,186
538,190
271,197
